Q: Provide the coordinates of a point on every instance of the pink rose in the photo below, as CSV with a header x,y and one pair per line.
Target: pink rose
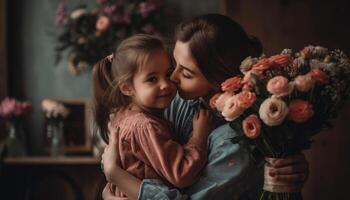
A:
x,y
221,100
279,86
246,99
304,83
300,111
232,110
232,84
273,111
102,23
251,126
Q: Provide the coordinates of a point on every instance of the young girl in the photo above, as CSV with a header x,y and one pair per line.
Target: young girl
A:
x,y
131,93
208,50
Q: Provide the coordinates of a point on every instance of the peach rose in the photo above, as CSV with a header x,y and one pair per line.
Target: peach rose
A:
x,y
221,100
251,126
212,102
320,76
304,83
232,110
102,23
273,111
281,60
246,99
232,84
300,111
262,65
279,86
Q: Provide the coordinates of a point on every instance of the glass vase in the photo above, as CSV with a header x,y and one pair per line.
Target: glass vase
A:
x,y
15,143
55,136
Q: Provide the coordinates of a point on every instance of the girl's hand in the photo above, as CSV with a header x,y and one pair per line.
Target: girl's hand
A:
x,y
202,123
110,157
293,169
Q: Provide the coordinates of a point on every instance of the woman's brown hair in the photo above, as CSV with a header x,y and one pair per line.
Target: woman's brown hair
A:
x,y
218,44
130,56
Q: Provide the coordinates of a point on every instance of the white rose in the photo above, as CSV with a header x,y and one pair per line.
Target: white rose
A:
x,y
273,111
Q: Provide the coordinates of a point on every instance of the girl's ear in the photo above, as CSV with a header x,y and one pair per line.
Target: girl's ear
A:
x,y
126,89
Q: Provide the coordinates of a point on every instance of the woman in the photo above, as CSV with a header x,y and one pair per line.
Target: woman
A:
x,y
208,50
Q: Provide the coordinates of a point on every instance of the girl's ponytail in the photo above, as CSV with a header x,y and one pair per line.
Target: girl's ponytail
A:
x,y
102,83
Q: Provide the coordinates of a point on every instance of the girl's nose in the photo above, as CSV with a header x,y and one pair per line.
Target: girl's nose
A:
x,y
164,85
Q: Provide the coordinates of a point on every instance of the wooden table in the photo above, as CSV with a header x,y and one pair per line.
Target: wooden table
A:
x,y
39,178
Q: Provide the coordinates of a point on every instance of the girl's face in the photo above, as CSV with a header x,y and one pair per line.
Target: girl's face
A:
x,y
190,81
152,87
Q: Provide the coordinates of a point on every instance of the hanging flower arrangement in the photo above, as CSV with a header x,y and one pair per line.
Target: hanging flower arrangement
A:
x,y
91,34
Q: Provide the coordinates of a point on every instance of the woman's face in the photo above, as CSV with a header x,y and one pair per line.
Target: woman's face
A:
x,y
189,79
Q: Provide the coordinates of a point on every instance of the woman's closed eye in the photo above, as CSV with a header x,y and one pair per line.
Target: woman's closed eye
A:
x,y
186,74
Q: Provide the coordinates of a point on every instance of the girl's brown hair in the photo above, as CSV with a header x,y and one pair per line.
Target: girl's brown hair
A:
x,y
218,44
130,56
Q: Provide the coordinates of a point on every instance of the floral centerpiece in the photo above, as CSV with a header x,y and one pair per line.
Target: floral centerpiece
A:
x,y
280,102
12,111
55,112
92,34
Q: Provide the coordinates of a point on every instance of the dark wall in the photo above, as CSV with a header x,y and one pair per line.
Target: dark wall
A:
x,y
295,24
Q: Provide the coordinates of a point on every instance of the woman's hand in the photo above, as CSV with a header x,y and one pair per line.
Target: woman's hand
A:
x,y
117,177
293,169
108,192
110,157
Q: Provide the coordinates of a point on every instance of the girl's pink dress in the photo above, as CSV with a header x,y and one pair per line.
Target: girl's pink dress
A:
x,y
148,151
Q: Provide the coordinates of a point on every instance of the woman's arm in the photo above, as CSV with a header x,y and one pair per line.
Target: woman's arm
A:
x,y
127,183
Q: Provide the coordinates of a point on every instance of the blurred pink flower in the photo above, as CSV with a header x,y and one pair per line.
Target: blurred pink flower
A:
x,y
101,1
146,8
10,107
102,23
61,15
148,28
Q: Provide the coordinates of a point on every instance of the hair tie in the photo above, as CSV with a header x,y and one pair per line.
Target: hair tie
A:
x,y
110,57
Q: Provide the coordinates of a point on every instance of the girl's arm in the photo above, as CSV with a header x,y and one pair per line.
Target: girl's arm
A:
x,y
179,164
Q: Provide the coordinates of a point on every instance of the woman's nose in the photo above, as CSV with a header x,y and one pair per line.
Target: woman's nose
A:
x,y
175,75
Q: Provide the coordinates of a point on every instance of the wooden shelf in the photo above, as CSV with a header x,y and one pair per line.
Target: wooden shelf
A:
x,y
42,160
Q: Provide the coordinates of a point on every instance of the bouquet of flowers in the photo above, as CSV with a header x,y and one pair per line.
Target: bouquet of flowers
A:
x,y
92,34
280,102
